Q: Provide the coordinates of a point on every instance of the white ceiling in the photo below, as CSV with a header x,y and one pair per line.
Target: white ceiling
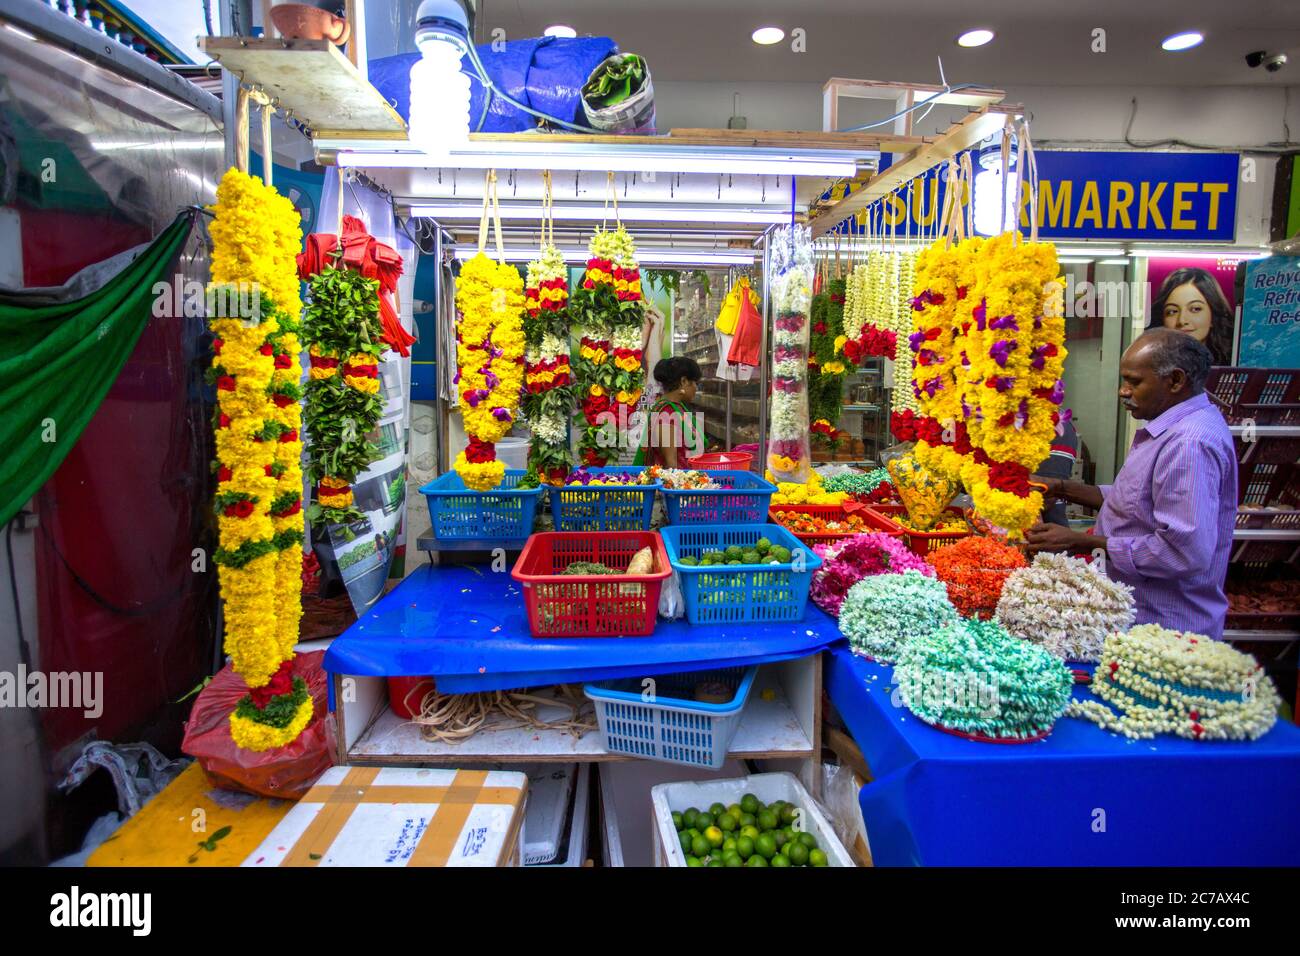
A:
x,y
1039,42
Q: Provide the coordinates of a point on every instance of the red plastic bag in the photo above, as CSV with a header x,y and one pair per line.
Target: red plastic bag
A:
x,y
748,340
286,773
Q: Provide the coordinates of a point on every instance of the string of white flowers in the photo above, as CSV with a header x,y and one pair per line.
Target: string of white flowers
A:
x,y
1065,604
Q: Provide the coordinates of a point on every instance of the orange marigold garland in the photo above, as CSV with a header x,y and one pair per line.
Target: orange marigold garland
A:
x,y
974,570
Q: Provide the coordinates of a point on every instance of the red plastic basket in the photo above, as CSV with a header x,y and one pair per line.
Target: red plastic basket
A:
x,y
722,461
595,605
923,542
875,522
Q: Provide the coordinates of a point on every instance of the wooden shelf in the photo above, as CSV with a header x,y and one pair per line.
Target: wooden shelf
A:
x,y
314,81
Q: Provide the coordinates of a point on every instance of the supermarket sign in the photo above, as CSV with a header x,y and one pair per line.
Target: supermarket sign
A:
x,y
1170,197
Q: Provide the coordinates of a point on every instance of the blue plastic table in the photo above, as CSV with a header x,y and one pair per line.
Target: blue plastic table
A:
x,y
937,799
468,627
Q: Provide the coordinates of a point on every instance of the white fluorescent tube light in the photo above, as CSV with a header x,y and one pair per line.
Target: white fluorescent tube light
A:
x,y
1113,262
615,159
721,257
593,212
1088,251
1243,253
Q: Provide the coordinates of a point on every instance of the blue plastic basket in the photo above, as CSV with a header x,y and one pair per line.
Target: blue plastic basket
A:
x,y
745,593
743,499
604,507
503,514
670,726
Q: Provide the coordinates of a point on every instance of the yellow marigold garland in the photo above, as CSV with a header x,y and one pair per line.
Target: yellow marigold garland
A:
x,y
252,735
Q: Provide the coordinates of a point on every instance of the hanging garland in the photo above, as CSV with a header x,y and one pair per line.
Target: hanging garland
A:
x,y
256,234
608,314
548,397
792,263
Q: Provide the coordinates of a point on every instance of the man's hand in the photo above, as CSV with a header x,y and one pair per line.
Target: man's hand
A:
x,y
1055,486
1053,537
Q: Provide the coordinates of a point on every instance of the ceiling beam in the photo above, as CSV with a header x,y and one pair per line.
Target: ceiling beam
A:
x,y
960,136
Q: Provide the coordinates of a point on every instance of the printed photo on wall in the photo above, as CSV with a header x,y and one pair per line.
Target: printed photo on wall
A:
x,y
1196,296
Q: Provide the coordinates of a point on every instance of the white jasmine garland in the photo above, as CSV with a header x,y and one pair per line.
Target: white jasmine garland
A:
x,y
551,429
626,337
553,346
1066,605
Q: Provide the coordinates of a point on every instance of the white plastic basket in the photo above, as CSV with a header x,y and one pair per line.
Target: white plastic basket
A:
x,y
768,787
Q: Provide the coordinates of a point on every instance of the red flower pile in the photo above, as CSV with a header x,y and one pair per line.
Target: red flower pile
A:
x,y
974,570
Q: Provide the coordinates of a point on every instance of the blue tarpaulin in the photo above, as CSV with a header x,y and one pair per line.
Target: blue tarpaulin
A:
x,y
546,73
469,628
1082,797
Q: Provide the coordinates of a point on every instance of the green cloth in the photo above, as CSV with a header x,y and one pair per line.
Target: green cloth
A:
x,y
58,361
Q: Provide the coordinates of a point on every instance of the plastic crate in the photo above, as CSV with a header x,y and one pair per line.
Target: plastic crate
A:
x,y
670,726
767,787
875,521
923,542
581,605
502,515
742,499
739,594
1267,396
604,507
734,460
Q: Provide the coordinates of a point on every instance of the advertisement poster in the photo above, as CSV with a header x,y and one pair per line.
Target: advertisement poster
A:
x,y
1197,296
1270,316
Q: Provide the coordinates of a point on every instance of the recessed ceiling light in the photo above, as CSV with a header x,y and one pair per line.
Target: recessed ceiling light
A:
x,y
560,30
1182,41
975,38
769,35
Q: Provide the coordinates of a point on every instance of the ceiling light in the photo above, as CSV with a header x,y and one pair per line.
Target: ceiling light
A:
x,y
1182,41
1243,253
646,256
1092,253
975,38
768,35
592,212
439,110
560,30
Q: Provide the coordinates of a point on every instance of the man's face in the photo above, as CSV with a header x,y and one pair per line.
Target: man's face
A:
x,y
1141,391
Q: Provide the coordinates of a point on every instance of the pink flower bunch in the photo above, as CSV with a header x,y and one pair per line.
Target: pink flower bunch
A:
x,y
846,562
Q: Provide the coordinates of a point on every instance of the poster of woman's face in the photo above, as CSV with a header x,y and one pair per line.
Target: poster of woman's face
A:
x,y
1195,300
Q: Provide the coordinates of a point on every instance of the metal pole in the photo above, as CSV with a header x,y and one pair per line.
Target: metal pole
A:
x,y
763,369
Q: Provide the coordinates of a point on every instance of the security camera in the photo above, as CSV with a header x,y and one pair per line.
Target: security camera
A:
x,y
1269,61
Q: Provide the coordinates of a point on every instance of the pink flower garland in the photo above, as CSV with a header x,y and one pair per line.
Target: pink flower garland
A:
x,y
847,562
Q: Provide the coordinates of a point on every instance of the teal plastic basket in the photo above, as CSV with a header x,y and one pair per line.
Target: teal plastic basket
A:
x,y
745,593
743,499
500,516
661,721
604,507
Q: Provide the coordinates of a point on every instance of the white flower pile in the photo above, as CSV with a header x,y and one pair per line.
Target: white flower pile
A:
x,y
1066,605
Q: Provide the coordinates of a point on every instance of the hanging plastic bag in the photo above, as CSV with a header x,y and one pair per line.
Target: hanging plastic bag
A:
x,y
619,97
924,494
672,605
730,312
747,343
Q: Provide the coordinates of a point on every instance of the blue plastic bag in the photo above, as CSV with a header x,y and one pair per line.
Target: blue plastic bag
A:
x,y
546,73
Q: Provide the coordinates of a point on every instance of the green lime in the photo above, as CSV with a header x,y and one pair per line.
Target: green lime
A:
x,y
817,858
750,831
728,845
735,810
716,809
726,822
781,838
732,860
703,820
808,840
750,557
693,861
689,561
765,845
744,847
685,839
767,820
693,833
734,552
688,816
716,863
747,820
700,846
780,860
756,860
714,836
787,813
762,545
749,803
798,853
677,821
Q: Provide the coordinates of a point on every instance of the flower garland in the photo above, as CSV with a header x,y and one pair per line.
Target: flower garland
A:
x,y
1170,682
548,397
608,313
975,569
972,676
256,234
1016,350
490,361
825,371
811,492
1066,605
925,494
846,562
343,332
881,614
787,452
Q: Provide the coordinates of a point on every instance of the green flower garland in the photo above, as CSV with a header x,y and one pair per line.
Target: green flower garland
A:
x,y
881,614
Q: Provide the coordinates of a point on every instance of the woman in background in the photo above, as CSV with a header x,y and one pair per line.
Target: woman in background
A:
x,y
672,430
1191,301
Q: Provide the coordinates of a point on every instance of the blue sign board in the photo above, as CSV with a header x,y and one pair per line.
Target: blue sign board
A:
x,y
1167,197
1270,313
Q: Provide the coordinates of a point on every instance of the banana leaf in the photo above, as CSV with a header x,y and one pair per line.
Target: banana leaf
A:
x,y
617,79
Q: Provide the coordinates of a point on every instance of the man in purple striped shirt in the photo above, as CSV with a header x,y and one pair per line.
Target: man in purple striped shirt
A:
x,y
1165,526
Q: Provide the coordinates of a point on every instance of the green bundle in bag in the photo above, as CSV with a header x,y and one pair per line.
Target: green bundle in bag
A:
x,y
615,81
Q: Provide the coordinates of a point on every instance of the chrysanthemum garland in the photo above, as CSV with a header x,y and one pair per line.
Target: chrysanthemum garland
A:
x,y
792,262
1066,605
608,314
1170,682
881,614
256,235
972,676
490,359
848,561
975,570
548,398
